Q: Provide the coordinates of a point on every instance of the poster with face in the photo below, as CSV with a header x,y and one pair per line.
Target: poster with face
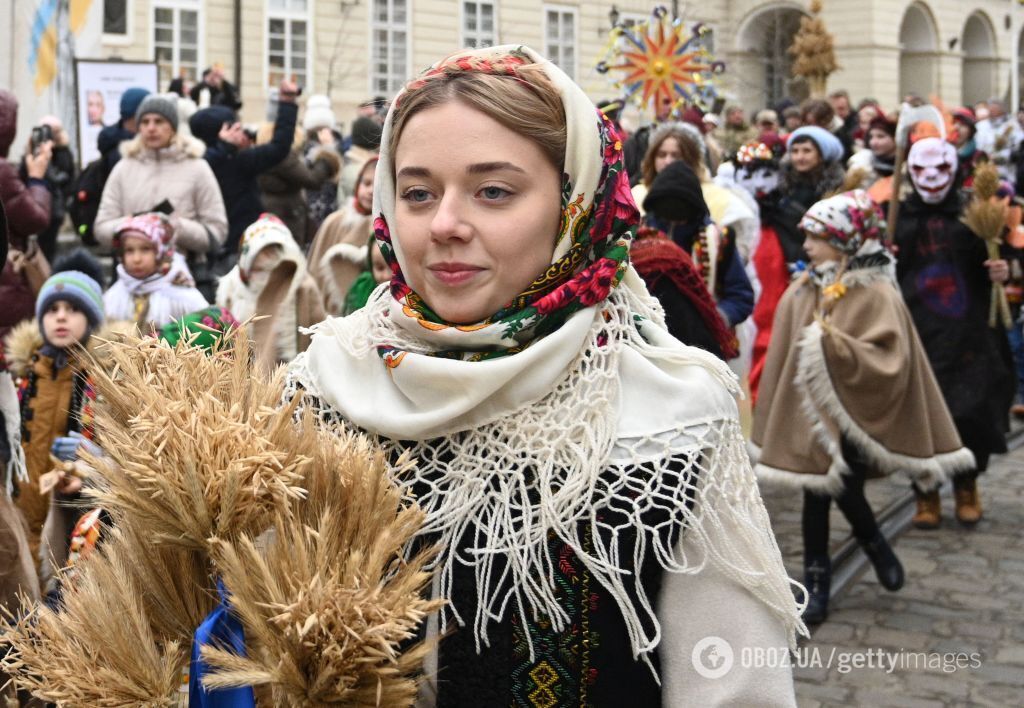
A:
x,y
99,85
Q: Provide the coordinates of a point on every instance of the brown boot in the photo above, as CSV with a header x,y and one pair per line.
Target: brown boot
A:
x,y
968,504
929,510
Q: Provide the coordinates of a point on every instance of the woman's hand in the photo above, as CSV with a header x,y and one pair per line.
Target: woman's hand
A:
x,y
998,270
36,163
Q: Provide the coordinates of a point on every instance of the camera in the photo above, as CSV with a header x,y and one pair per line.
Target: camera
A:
x,y
40,134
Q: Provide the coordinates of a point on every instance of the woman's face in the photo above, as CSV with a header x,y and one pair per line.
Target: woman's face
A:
x,y
865,115
881,143
668,152
156,131
364,190
477,214
805,156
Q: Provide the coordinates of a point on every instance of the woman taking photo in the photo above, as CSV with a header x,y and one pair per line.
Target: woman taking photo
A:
x,y
582,472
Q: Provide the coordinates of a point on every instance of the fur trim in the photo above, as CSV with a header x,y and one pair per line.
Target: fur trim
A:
x,y
830,483
25,339
182,147
812,380
344,254
328,155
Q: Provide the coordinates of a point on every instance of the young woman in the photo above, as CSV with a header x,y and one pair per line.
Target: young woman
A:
x,y
582,472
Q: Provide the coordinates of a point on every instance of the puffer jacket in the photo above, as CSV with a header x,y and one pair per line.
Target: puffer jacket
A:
x,y
282,187
27,205
143,178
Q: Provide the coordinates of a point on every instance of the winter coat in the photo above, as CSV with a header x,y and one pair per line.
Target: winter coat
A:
x,y
237,170
46,407
282,187
861,376
155,301
322,202
109,143
947,289
177,173
798,192
27,205
344,228
289,300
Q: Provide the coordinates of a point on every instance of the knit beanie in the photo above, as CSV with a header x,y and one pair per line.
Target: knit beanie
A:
x,y
130,101
77,288
155,228
828,144
162,106
676,195
845,221
366,133
319,114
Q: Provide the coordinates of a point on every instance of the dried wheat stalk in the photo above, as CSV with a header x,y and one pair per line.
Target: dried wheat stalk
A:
x,y
985,215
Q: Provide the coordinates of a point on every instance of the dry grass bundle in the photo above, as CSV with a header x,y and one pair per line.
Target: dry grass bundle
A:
x,y
330,600
986,216
100,649
198,449
813,51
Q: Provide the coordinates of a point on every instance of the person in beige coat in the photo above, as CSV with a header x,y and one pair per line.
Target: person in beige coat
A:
x,y
847,391
160,164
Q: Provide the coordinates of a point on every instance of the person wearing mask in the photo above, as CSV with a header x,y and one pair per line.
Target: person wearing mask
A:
x,y
27,203
165,171
237,167
110,138
58,178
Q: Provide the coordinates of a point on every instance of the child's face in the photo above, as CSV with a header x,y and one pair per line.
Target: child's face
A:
x,y
263,265
364,190
138,255
381,269
64,324
820,251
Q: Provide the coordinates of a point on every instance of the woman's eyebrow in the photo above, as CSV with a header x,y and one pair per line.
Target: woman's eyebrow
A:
x,y
481,167
413,172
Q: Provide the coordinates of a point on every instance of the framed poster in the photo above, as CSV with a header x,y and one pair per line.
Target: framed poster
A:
x,y
98,88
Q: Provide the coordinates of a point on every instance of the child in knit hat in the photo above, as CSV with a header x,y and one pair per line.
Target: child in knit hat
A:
x,y
846,364
48,358
154,286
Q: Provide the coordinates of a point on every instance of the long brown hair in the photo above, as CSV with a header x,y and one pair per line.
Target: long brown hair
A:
x,y
688,147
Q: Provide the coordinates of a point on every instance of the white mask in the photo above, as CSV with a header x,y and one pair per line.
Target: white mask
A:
x,y
933,166
759,182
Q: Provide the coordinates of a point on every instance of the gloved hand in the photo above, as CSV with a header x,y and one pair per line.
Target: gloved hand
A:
x,y
67,448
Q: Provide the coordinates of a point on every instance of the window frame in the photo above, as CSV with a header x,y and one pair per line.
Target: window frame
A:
x,y
373,25
562,10
129,26
495,39
288,16
176,6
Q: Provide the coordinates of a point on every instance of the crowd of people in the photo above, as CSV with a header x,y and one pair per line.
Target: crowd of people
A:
x,y
503,275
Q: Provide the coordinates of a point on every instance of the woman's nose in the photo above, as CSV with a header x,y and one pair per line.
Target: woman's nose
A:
x,y
448,220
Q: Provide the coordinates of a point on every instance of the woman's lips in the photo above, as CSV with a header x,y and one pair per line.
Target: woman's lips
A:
x,y
454,273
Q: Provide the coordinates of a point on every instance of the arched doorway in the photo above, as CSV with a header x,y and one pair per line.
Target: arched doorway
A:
x,y
764,65
918,53
979,67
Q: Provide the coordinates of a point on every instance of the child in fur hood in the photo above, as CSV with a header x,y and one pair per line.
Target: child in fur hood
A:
x,y
48,359
154,286
271,281
338,252
845,362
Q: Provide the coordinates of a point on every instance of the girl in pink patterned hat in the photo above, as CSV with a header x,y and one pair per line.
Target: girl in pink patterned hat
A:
x,y
154,286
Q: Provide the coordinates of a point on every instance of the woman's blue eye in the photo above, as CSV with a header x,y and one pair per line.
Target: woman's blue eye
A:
x,y
494,192
416,195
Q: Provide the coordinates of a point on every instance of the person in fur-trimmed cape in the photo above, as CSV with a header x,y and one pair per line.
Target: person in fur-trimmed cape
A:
x,y
846,365
271,280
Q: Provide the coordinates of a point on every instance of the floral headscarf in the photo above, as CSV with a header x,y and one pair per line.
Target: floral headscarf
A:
x,y
846,221
155,228
591,247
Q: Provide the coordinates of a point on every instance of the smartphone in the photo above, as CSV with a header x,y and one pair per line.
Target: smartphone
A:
x,y
40,134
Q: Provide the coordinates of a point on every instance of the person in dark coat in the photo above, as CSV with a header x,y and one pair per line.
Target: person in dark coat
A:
x,y
58,178
215,90
27,203
946,278
675,205
111,137
236,169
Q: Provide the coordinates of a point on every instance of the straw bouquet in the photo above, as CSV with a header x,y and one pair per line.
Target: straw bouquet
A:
x,y
209,478
986,216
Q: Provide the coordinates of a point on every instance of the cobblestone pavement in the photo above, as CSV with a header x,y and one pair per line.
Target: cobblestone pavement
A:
x,y
964,594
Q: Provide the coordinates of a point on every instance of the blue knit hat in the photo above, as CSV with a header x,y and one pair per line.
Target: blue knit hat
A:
x,y
829,146
77,288
130,101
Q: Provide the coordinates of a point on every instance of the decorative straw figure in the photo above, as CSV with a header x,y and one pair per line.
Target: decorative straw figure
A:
x,y
986,215
814,57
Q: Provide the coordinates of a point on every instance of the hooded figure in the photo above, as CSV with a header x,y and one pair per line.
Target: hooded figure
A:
x,y
270,279
947,287
28,212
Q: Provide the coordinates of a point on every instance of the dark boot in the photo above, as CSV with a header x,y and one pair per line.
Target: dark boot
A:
x,y
887,565
818,581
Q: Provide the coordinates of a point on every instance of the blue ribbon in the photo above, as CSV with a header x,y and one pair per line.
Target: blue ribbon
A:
x,y
221,629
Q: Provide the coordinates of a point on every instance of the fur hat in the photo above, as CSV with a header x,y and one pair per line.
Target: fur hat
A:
x,y
828,144
319,114
845,221
162,106
75,286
